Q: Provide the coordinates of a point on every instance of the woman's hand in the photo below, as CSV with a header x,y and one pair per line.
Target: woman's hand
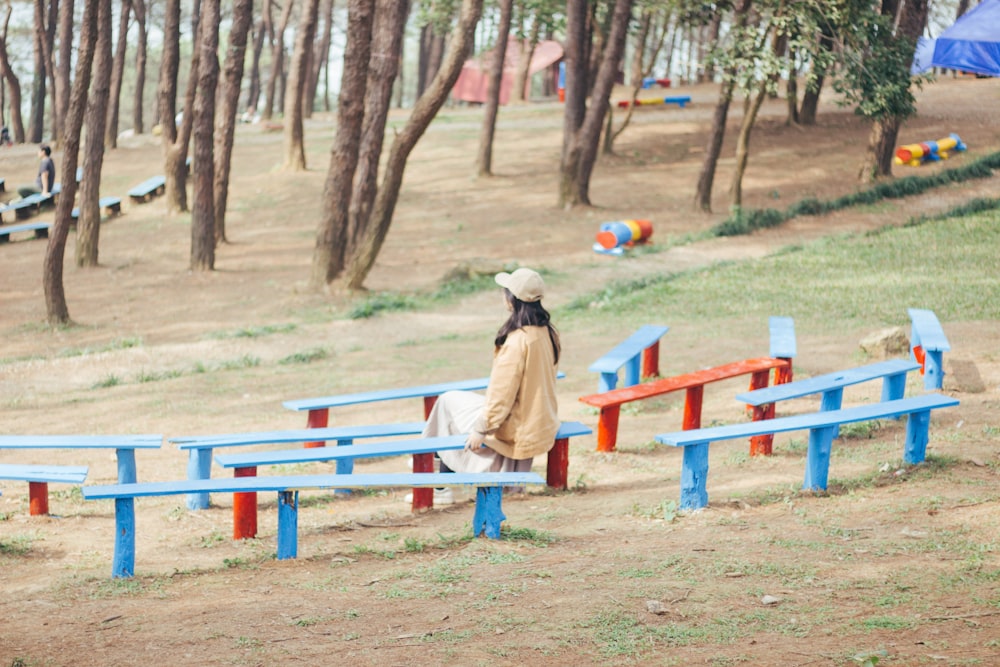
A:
x,y
475,441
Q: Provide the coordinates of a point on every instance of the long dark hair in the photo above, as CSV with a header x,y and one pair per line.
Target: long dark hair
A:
x,y
527,314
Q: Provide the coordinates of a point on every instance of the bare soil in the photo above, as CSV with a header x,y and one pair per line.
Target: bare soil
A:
x,y
905,566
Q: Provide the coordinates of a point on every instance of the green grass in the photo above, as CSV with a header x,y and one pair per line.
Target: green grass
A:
x,y
305,357
255,332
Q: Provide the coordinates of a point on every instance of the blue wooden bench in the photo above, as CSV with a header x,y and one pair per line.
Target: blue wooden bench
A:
x,y
38,478
26,207
821,427
41,230
148,189
113,205
124,446
928,345
200,447
680,100
486,520
639,354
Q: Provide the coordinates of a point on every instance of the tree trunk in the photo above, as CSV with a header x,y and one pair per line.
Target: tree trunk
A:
x,y
636,75
16,123
298,75
166,93
139,8
320,61
225,127
814,83
579,158
520,91
713,40
743,145
277,62
64,66
48,46
363,259
387,43
88,227
117,72
36,118
485,159
203,159
57,311
260,33
331,237
792,91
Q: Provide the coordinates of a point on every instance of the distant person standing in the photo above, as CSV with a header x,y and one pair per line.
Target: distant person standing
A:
x,y
46,174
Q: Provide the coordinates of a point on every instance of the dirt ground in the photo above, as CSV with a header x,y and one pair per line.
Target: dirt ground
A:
x,y
905,568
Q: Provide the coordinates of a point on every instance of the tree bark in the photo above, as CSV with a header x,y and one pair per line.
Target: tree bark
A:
x,y
88,227
139,8
320,61
16,122
814,83
48,46
331,237
485,159
277,61
363,259
36,117
203,159
743,145
580,147
232,77
260,33
519,92
52,269
298,75
175,164
65,64
117,74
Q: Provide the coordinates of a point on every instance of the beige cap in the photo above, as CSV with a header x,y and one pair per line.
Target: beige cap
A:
x,y
524,284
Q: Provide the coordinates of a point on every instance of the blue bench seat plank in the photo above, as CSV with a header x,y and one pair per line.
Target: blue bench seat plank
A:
x,y
147,187
80,441
43,473
297,435
113,204
41,230
829,381
627,354
782,337
822,427
927,334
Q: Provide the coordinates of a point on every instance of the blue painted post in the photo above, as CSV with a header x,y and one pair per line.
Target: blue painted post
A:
x,y
489,513
607,382
199,467
832,400
916,437
288,524
344,466
123,563
893,387
694,477
126,466
818,458
632,371
933,369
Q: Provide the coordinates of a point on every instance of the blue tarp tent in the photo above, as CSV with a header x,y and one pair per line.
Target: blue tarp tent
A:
x,y
972,44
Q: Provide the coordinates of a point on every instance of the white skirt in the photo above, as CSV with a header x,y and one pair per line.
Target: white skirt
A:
x,y
456,412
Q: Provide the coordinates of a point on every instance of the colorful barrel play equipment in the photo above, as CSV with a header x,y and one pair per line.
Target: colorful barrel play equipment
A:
x,y
916,154
614,237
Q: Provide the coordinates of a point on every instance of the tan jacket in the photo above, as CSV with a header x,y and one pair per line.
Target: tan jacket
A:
x,y
521,416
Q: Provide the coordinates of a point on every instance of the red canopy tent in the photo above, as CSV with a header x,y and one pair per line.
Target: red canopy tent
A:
x,y
474,79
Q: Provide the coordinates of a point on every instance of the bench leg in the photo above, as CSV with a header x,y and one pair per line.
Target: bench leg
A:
x,y
199,467
607,428
429,402
694,477
557,468
317,419
423,499
245,508
38,498
818,458
607,382
832,400
783,375
933,369
917,426
288,524
632,371
123,564
489,512
893,387
651,361
126,466
761,444
692,407
344,466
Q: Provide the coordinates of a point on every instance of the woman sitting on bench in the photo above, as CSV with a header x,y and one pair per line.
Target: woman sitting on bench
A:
x,y
518,418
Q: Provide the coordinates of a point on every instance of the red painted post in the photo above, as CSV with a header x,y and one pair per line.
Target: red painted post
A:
x,y
692,407
244,508
651,361
918,354
761,444
607,428
423,498
783,375
557,468
38,498
429,402
318,419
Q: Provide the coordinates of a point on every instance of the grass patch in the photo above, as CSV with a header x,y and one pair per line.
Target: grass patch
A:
x,y
255,332
305,357
116,344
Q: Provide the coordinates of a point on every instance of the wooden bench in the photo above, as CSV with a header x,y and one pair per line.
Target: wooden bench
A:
x,y
26,207
113,205
782,337
38,478
831,386
486,520
822,428
319,414
928,345
41,230
639,354
148,189
200,447
245,464
124,446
